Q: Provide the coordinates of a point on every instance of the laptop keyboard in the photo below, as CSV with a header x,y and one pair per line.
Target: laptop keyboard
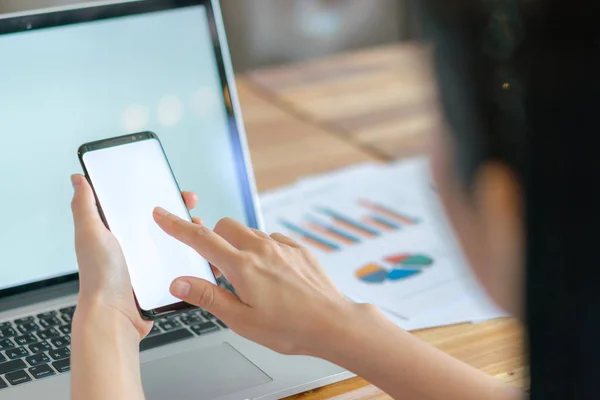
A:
x,y
36,347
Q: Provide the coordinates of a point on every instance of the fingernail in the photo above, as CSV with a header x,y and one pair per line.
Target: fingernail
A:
x,y
180,288
75,181
161,212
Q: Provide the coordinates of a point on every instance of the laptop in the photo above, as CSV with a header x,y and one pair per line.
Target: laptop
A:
x,y
80,73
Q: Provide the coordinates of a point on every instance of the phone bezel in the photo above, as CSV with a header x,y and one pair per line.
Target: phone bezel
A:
x,y
122,141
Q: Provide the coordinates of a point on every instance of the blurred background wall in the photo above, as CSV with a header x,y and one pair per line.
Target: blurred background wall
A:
x,y
270,32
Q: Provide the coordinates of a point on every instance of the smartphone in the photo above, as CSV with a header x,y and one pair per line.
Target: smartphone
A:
x,y
130,176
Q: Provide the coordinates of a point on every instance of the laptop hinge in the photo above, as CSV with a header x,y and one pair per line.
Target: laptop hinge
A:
x,y
38,295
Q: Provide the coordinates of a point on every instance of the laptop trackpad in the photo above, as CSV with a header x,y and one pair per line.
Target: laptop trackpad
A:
x,y
201,374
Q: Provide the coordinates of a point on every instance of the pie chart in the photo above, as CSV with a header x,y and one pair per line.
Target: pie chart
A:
x,y
406,259
372,273
404,265
397,274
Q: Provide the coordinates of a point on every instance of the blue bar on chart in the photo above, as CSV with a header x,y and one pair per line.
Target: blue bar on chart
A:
x,y
382,222
311,238
331,231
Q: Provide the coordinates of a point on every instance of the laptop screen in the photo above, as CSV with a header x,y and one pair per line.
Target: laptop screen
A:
x,y
66,85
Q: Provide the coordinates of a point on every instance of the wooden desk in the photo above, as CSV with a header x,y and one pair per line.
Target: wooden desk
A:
x,y
377,104
381,99
285,147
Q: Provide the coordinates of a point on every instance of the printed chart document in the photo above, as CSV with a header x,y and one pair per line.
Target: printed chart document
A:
x,y
379,232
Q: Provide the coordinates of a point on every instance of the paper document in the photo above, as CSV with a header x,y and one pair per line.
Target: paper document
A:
x,y
379,232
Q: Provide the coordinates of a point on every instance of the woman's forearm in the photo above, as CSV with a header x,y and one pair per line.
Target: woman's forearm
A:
x,y
105,355
404,366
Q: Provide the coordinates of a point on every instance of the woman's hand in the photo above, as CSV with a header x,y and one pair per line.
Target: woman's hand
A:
x,y
103,277
286,301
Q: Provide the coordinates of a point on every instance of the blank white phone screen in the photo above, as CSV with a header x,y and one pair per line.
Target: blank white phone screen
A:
x,y
130,180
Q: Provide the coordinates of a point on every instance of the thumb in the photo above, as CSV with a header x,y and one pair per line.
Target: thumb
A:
x,y
83,205
209,297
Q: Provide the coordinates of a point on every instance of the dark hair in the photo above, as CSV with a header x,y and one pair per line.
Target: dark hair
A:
x,y
520,84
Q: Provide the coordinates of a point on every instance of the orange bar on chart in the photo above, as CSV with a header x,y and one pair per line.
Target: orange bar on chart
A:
x,y
316,244
353,228
331,235
387,212
377,224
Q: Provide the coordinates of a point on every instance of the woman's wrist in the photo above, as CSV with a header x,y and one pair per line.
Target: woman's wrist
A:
x,y
347,329
105,352
92,314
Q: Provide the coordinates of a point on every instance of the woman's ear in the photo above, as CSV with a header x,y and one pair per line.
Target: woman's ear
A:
x,y
499,212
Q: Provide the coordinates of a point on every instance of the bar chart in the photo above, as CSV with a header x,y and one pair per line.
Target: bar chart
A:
x,y
332,228
380,235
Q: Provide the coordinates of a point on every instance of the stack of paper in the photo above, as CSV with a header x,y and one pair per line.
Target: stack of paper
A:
x,y
379,232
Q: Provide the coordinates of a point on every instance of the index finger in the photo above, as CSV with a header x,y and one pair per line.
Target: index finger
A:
x,y
208,244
